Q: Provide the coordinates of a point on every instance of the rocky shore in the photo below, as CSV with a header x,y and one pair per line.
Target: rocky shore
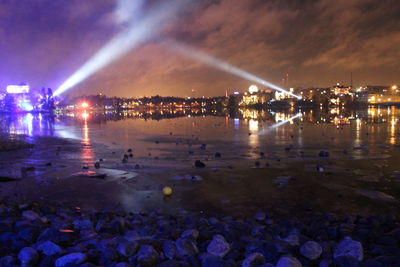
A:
x,y
33,234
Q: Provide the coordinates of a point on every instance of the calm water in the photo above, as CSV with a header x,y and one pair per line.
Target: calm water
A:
x,y
245,132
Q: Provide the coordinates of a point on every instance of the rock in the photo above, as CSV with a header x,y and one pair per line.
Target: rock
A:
x,y
199,164
311,250
169,249
293,240
288,261
30,215
71,259
260,216
48,248
325,263
122,264
28,256
217,155
186,247
349,248
253,260
191,233
127,249
147,256
218,246
344,261
213,261
7,261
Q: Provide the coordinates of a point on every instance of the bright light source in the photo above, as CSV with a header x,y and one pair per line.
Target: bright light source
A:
x,y
26,106
84,105
394,87
18,89
253,89
221,65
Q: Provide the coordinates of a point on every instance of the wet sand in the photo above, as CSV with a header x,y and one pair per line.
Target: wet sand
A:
x,y
229,185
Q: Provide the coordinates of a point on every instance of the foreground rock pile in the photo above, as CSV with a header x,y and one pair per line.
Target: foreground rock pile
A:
x,y
42,235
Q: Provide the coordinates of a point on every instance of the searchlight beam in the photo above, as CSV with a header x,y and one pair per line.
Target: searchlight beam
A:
x,y
221,65
137,32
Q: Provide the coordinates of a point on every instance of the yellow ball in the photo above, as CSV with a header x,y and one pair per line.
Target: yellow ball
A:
x,y
167,191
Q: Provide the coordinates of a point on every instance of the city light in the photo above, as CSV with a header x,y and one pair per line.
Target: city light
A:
x,y
17,89
84,105
221,65
136,33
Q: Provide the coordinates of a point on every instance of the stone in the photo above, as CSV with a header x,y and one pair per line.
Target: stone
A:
x,y
253,260
218,246
186,247
288,261
127,249
30,215
293,240
147,256
28,256
199,164
8,261
191,233
311,250
122,264
349,248
213,261
48,248
260,216
71,259
169,249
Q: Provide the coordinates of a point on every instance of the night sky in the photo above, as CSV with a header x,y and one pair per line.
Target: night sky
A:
x,y
318,43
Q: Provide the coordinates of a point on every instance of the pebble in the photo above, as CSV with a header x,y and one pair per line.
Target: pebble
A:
x,y
311,250
28,257
288,261
70,259
218,246
350,249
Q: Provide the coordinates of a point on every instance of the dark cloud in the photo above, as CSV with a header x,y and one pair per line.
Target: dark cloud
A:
x,y
317,42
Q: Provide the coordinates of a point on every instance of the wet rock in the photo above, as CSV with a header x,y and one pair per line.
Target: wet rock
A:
x,y
71,259
350,249
288,261
311,250
293,240
186,247
213,261
30,215
48,248
218,246
147,256
253,260
123,264
257,164
7,261
129,150
217,155
127,249
28,256
199,164
190,233
169,249
260,216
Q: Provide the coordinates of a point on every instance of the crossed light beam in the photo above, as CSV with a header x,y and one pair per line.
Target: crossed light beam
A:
x,y
222,65
136,33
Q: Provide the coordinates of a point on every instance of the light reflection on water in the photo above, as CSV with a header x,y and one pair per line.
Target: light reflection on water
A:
x,y
244,130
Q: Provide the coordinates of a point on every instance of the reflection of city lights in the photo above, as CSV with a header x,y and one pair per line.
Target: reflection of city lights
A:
x,y
253,125
85,115
84,105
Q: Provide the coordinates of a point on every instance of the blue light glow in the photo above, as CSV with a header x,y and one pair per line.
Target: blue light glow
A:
x,y
26,106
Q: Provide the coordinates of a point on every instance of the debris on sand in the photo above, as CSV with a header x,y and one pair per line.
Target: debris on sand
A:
x,y
199,164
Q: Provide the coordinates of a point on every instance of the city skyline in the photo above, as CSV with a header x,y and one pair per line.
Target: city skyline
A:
x,y
318,43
